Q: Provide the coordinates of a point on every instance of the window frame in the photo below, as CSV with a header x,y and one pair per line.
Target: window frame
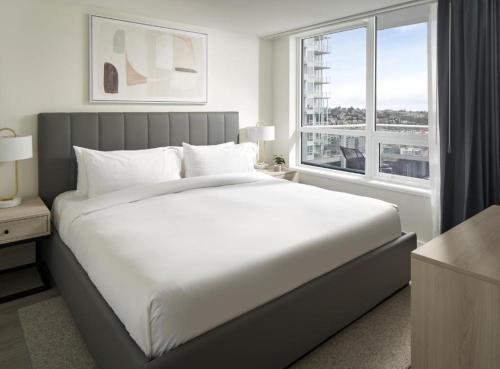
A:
x,y
373,138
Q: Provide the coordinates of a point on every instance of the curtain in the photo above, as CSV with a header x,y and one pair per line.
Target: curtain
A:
x,y
469,121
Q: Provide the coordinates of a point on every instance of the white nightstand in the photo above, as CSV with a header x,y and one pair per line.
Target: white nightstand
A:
x,y
286,173
20,225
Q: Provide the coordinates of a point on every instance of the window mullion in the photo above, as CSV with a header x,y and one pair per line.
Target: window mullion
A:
x,y
333,131
401,138
371,152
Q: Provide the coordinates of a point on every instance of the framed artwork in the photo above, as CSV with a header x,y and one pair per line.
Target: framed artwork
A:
x,y
133,62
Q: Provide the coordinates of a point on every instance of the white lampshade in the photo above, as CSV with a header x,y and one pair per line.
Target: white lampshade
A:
x,y
15,148
261,133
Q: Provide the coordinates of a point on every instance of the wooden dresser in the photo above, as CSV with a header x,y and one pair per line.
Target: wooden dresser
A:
x,y
455,295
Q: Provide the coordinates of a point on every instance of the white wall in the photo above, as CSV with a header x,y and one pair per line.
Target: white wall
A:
x,y
415,209
44,68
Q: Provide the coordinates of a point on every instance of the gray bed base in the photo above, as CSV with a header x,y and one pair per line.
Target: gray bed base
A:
x,y
271,336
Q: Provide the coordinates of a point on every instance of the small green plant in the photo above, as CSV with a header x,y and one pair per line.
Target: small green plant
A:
x,y
279,159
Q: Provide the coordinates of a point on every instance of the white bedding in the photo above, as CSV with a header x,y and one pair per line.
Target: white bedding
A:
x,y
176,259
64,201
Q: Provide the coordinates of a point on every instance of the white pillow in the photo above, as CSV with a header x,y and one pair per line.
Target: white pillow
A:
x,y
81,183
105,171
219,159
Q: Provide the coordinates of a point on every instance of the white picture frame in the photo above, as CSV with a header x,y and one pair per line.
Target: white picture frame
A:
x,y
133,62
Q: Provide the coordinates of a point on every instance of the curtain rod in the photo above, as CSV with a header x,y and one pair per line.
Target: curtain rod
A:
x,y
349,18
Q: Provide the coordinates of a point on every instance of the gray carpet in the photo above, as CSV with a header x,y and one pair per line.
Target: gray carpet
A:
x,y
379,340
52,338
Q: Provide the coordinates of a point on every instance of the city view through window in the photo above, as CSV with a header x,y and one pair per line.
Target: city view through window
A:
x,y
334,86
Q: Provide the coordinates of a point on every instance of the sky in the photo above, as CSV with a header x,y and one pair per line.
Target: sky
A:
x,y
401,68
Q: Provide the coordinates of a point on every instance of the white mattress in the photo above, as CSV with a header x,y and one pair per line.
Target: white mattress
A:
x,y
176,259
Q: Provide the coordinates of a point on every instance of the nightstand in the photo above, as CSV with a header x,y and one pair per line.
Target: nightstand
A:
x,y
19,225
286,173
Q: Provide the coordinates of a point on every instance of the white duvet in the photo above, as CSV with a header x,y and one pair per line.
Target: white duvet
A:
x,y
176,259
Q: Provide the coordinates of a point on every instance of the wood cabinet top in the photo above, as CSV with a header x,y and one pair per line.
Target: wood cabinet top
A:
x,y
472,247
28,208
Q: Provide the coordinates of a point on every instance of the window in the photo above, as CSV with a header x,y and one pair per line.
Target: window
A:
x,y
333,65
364,97
335,151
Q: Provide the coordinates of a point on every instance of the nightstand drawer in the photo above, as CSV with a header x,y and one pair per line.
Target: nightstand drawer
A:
x,y
21,229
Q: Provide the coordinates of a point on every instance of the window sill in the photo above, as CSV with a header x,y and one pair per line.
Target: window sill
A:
x,y
360,180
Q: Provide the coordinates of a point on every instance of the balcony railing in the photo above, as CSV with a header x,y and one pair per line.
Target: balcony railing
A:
x,y
322,80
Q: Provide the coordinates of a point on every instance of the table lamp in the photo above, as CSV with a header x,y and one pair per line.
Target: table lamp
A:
x,y
14,148
260,133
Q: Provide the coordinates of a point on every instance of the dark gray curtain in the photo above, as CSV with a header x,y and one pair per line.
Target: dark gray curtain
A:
x,y
469,106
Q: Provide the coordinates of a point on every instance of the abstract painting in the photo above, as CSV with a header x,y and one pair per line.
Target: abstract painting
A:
x,y
133,62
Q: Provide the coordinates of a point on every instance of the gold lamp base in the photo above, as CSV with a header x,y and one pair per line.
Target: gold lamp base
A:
x,y
12,200
15,201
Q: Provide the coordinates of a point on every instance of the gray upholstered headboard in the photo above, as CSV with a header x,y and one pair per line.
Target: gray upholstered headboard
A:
x,y
58,132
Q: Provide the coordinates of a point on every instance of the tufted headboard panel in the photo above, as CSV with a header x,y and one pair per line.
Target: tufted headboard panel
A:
x,y
58,132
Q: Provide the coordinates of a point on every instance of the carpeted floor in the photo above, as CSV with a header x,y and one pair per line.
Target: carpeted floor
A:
x,y
379,340
52,338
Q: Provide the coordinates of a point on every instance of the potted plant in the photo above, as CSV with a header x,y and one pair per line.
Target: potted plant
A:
x,y
279,162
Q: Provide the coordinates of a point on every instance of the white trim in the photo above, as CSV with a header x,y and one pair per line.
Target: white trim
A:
x,y
350,18
404,18
297,92
434,139
338,27
295,106
333,131
402,180
360,180
371,97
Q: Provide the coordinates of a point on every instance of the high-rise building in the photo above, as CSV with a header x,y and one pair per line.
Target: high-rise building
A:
x,y
315,98
324,149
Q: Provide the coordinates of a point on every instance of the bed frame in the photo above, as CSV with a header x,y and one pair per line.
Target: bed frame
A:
x,y
273,335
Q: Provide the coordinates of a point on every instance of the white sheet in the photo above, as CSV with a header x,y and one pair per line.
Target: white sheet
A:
x,y
176,259
62,202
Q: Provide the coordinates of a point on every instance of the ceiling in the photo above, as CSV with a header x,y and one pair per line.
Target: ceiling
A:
x,y
254,17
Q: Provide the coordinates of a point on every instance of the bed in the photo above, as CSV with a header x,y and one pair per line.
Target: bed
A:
x,y
288,303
